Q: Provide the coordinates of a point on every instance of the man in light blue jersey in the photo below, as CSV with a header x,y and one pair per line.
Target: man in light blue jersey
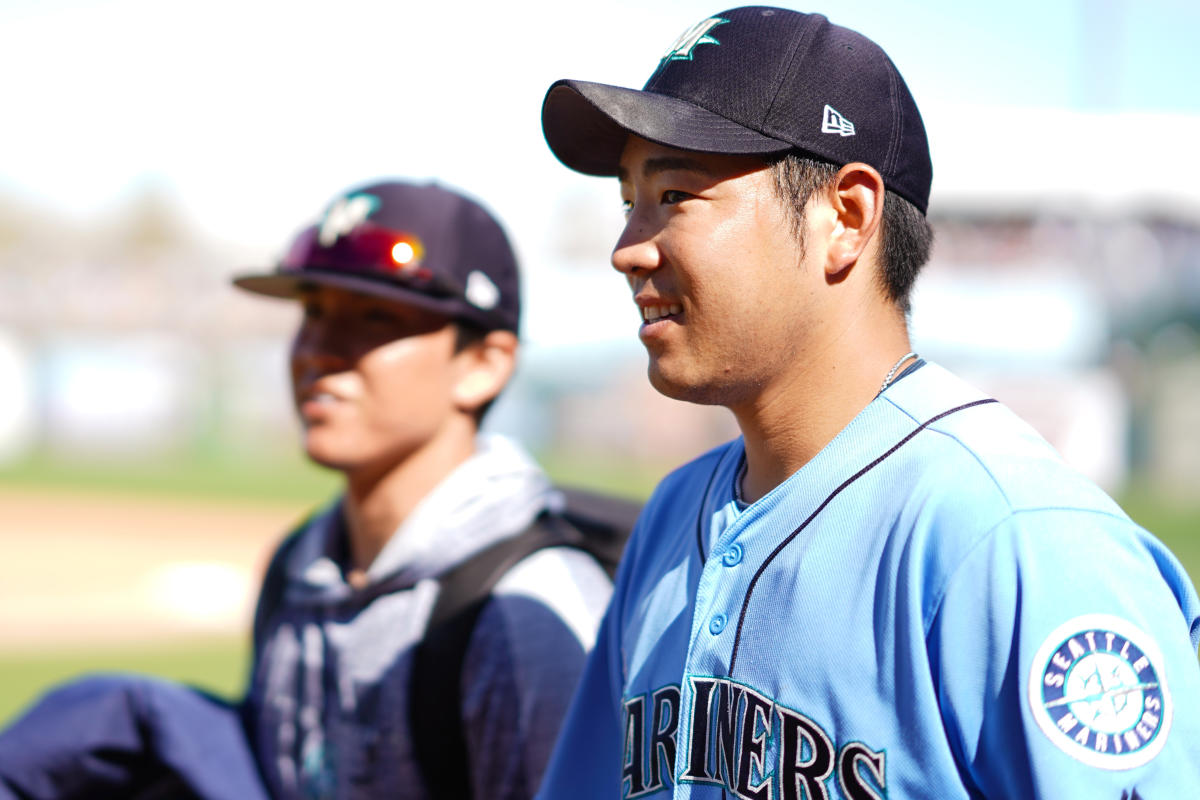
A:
x,y
889,585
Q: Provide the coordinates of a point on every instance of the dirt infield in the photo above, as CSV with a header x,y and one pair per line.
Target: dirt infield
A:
x,y
77,567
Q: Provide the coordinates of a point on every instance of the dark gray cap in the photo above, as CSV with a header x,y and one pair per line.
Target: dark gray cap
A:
x,y
415,243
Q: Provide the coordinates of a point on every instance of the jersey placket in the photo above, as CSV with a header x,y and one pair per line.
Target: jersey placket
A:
x,y
724,579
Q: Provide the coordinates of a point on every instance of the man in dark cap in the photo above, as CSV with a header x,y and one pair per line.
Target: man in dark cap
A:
x,y
888,586
410,310
421,636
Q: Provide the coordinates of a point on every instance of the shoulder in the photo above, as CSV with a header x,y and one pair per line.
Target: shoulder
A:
x,y
1014,496
523,662
561,582
969,451
975,483
534,631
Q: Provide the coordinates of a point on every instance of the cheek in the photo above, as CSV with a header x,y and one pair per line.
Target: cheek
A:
x,y
409,377
411,357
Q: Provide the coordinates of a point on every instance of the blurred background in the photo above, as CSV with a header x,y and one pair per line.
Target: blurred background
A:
x,y
149,151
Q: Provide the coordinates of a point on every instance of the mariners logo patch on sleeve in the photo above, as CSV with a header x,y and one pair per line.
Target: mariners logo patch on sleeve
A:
x,y
1097,689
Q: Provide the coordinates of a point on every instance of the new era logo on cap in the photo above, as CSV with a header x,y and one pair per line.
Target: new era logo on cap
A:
x,y
833,122
481,292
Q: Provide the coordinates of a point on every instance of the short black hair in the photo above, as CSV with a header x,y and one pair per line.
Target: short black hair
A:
x,y
907,234
467,334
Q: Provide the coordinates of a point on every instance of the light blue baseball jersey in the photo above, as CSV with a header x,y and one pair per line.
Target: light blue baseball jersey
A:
x,y
935,606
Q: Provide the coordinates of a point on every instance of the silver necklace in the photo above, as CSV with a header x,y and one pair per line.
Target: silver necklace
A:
x,y
892,372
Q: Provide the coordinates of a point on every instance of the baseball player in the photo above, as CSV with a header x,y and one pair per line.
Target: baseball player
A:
x,y
409,301
888,585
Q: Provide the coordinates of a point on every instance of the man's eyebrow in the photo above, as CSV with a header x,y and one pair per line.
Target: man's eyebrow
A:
x,y
653,166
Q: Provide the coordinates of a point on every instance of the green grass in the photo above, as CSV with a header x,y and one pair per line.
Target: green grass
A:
x,y
217,665
618,476
1174,521
282,477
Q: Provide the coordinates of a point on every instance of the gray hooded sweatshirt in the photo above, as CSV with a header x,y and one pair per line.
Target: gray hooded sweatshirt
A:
x,y
329,691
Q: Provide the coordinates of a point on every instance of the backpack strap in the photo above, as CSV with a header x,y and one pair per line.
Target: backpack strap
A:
x,y
435,687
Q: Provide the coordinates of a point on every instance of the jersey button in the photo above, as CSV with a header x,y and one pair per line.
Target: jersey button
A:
x,y
717,624
733,556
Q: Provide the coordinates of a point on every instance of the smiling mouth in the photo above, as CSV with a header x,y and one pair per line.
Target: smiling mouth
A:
x,y
313,403
655,313
318,398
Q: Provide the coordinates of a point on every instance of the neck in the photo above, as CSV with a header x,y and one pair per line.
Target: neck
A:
x,y
377,501
796,415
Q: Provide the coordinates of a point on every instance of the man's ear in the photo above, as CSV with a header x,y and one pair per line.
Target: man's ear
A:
x,y
484,368
856,197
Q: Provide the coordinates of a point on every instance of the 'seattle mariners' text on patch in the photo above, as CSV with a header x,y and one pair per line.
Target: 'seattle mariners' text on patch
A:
x,y
1098,690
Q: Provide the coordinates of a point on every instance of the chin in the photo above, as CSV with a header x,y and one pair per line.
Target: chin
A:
x,y
325,459
328,451
362,455
674,387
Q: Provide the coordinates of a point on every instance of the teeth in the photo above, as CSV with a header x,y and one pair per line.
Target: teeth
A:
x,y
651,313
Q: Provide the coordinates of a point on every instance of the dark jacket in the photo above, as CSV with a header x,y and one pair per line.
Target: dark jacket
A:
x,y
125,736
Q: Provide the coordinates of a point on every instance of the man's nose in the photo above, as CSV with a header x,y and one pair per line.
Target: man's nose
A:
x,y
636,248
315,347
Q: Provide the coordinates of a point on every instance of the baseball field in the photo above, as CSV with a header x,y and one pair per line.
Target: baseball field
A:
x,y
148,567
154,568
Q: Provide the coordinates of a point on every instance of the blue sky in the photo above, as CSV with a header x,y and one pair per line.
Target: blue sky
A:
x,y
252,114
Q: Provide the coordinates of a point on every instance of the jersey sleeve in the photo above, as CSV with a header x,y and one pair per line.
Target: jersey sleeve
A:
x,y
1064,655
523,664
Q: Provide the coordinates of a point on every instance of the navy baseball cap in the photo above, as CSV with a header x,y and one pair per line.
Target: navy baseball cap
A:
x,y
754,81
419,244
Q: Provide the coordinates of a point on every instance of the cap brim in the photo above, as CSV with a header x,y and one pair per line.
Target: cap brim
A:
x,y
288,286
586,125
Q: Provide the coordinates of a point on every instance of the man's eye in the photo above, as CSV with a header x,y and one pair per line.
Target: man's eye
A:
x,y
311,311
672,196
627,207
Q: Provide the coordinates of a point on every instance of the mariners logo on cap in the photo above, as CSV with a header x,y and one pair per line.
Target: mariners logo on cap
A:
x,y
692,38
1098,690
344,215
